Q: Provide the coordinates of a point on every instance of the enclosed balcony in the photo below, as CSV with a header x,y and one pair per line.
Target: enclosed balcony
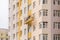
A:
x,y
29,12
29,2
29,31
20,3
19,34
19,25
19,13
29,35
17,4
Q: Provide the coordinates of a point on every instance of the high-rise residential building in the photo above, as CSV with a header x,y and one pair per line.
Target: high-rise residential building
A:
x,y
4,34
34,19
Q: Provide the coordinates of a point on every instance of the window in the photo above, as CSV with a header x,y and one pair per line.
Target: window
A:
x,y
34,16
43,12
1,38
39,13
33,37
1,34
9,19
56,13
56,25
44,1
34,4
13,26
29,6
56,2
44,36
39,37
39,1
43,24
29,28
17,4
56,37
24,31
13,17
40,24
29,38
9,1
6,38
24,1
25,39
6,34
20,12
25,10
9,28
21,22
9,10
13,7
16,15
13,36
34,28
13,0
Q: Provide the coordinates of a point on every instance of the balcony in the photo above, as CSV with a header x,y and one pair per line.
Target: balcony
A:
x,y
29,20
17,4
19,14
29,35
29,12
20,3
19,25
29,2
19,34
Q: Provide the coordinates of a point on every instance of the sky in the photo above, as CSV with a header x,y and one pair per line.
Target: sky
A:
x,y
3,13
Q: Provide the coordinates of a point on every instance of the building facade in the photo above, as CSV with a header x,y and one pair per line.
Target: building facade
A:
x,y
4,34
34,19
